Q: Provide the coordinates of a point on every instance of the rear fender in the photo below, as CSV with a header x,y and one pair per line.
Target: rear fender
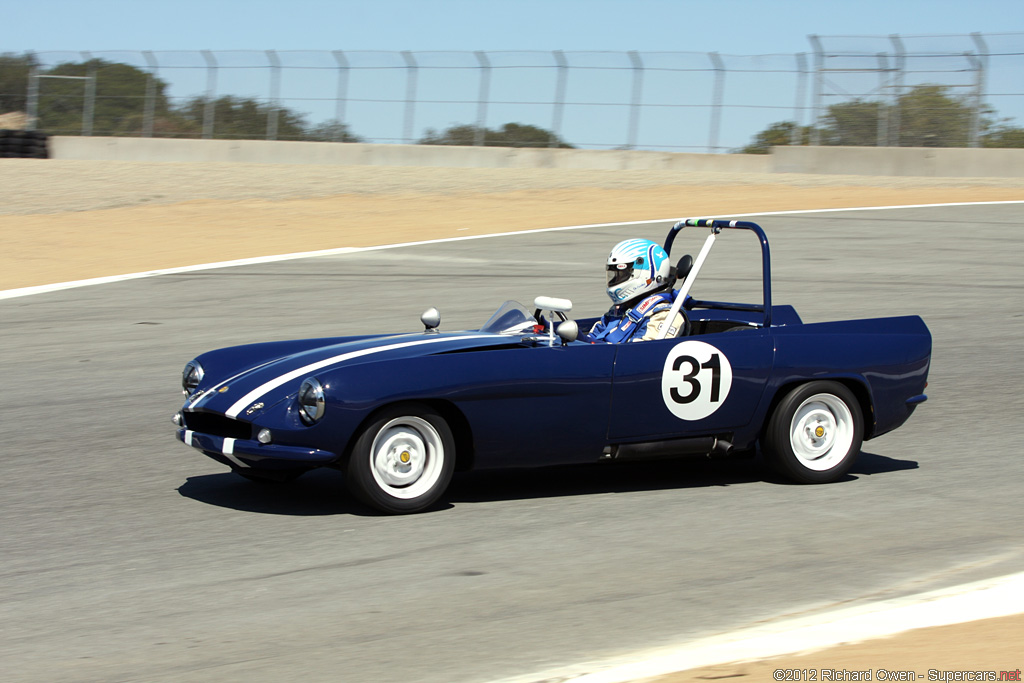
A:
x,y
857,384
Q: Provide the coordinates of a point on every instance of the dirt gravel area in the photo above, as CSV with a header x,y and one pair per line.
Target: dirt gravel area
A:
x,y
69,220
992,645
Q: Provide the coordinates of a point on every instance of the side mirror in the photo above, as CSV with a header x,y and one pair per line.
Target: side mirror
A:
x,y
431,318
568,331
550,303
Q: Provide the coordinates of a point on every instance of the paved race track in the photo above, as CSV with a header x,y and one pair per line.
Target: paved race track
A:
x,y
128,557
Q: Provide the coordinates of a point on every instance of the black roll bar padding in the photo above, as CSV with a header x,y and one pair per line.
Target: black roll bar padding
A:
x,y
717,225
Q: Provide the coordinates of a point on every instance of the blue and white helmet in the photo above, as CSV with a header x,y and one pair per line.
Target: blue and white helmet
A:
x,y
636,267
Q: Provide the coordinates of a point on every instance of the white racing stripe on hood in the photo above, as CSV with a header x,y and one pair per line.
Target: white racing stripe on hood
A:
x,y
259,391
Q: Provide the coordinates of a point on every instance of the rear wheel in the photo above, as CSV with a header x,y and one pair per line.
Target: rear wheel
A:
x,y
815,433
403,461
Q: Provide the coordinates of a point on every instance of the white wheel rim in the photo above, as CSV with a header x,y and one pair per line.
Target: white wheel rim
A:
x,y
821,432
406,457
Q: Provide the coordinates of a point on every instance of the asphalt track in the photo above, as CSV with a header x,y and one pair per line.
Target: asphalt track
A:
x,y
128,557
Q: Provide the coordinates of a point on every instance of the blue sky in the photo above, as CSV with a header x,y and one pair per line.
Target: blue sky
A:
x,y
676,114
727,26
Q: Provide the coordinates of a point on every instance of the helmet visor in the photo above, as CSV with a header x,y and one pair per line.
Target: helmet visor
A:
x,y
619,273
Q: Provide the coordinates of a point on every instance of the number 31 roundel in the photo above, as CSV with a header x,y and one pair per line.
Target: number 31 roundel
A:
x,y
696,380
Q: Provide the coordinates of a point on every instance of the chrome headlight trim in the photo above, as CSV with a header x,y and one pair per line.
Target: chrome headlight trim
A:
x,y
311,400
191,376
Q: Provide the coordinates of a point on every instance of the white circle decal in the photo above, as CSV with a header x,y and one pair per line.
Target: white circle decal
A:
x,y
695,380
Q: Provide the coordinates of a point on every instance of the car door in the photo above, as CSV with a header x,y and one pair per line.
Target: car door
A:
x,y
532,405
673,388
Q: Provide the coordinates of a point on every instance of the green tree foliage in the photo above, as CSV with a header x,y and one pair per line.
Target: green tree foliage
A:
x,y
924,116
776,135
510,135
14,71
332,130
930,117
852,124
119,105
242,118
1002,134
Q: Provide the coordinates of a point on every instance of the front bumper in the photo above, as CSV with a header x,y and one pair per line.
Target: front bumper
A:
x,y
247,453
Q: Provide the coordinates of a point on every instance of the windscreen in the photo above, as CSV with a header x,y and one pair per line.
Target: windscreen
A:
x,y
510,318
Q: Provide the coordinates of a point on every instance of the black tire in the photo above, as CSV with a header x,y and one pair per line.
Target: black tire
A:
x,y
270,477
393,484
815,433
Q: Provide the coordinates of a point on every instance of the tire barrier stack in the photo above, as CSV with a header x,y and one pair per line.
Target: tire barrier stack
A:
x,y
23,144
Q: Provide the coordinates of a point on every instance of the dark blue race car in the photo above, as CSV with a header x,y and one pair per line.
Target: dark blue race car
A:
x,y
399,414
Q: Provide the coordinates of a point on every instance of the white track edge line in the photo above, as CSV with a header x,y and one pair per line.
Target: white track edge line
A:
x,y
991,598
56,287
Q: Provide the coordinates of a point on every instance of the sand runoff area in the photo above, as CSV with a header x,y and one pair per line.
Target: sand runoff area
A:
x,y
73,220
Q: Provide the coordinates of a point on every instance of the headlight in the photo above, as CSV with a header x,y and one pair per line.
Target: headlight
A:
x,y
191,376
311,400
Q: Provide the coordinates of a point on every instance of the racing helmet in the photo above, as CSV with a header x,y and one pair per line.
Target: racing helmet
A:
x,y
636,267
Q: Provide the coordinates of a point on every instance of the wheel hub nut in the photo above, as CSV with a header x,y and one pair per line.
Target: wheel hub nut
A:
x,y
819,431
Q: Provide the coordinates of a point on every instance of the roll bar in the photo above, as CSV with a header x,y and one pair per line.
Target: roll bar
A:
x,y
717,226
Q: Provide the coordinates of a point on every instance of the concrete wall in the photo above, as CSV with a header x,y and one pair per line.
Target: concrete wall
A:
x,y
356,154
900,161
880,161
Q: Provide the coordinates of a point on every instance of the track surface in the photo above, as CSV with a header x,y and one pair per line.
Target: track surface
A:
x,y
126,556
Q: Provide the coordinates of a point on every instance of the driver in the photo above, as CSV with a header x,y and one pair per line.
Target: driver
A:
x,y
640,287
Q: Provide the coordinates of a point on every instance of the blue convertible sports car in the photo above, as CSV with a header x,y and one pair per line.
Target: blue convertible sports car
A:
x,y
398,414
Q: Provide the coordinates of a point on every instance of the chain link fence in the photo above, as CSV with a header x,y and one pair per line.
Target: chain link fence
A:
x,y
670,101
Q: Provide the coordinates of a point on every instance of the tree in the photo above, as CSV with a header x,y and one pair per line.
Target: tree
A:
x,y
242,118
14,71
119,105
1001,134
332,130
930,117
852,124
510,135
924,116
776,135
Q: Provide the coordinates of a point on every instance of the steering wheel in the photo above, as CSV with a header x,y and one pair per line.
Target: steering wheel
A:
x,y
540,319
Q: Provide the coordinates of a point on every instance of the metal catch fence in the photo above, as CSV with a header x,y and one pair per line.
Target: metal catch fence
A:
x,y
671,101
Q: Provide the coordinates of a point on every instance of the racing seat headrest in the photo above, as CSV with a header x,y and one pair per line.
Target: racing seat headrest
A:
x,y
683,267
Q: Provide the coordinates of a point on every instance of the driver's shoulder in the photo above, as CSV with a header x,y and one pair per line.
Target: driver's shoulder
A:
x,y
653,304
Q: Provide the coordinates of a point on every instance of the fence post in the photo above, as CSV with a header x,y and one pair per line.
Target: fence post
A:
x,y
339,112
716,101
275,94
795,137
979,88
634,106
149,110
896,113
559,104
32,97
882,127
819,75
410,96
89,106
211,91
483,99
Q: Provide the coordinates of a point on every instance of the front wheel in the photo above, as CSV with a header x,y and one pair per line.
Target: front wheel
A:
x,y
403,461
815,433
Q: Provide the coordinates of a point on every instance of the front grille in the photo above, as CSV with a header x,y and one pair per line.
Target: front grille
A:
x,y
215,424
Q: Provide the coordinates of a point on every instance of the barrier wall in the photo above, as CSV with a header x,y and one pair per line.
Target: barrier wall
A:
x,y
952,162
359,154
879,161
